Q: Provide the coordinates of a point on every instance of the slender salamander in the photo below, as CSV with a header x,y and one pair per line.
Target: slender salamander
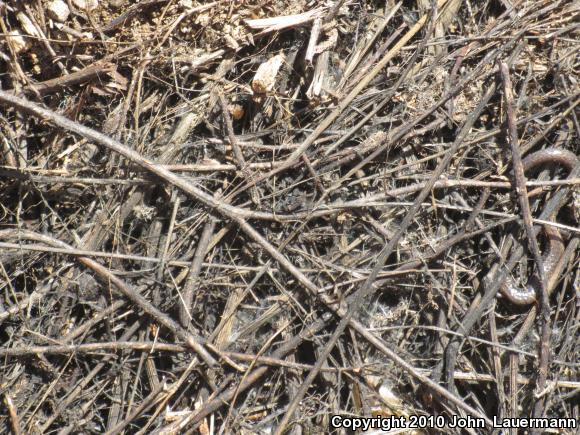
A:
x,y
555,248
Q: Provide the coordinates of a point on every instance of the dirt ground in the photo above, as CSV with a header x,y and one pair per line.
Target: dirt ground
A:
x,y
289,217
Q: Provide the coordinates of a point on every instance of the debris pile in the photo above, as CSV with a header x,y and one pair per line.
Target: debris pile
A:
x,y
250,217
